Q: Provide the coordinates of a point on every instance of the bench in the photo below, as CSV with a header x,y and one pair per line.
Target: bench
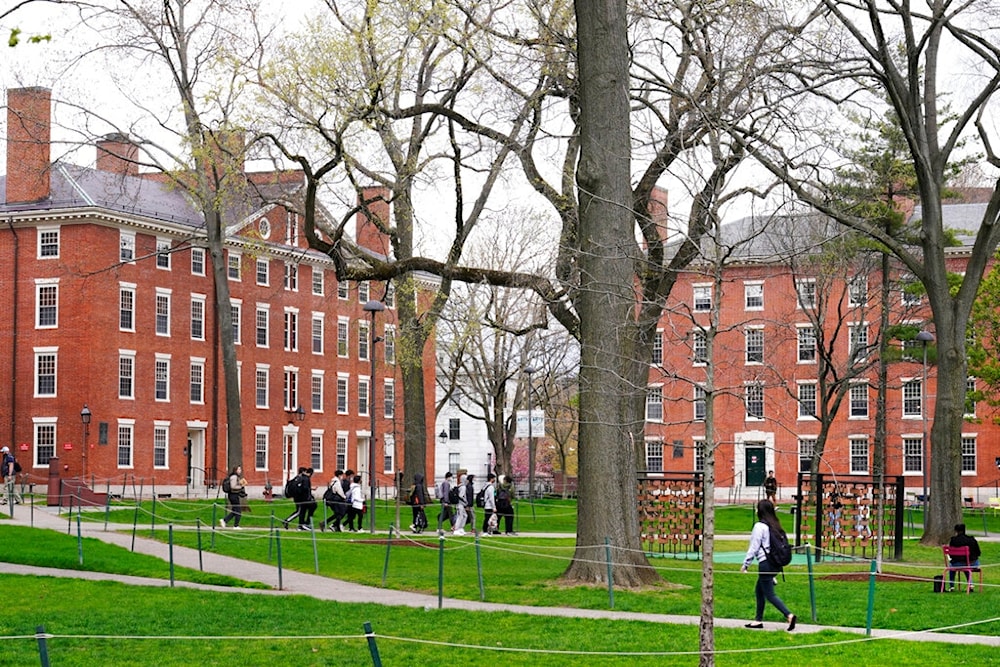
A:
x,y
995,505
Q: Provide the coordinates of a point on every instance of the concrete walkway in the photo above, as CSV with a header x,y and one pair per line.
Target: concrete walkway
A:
x,y
325,588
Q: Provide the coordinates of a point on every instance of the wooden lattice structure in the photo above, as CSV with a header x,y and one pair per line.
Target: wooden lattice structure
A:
x,y
845,519
670,512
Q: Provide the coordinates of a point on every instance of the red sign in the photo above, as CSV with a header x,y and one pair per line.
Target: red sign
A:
x,y
68,446
24,447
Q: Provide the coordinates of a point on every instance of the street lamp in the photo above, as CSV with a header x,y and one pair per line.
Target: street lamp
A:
x,y
443,437
372,307
924,337
85,417
300,413
529,370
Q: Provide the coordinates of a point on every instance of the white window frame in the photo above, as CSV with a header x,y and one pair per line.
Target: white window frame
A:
x,y
262,272
699,347
290,332
805,293
753,295
291,277
197,261
234,266
364,395
162,297
48,238
316,449
125,444
261,445
858,401
654,453
46,356
388,398
754,346
317,390
807,395
657,356
389,344
126,247
161,444
161,380
265,310
318,332
806,352
343,337
912,396
44,433
969,450
196,371
701,297
913,455
126,304
700,403
126,375
262,386
290,388
163,246
753,392
654,403
44,288
860,452
198,316
317,281
343,393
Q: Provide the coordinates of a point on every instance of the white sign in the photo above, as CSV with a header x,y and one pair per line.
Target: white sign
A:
x,y
537,424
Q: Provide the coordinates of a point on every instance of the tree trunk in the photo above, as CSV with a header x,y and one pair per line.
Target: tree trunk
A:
x,y
412,341
944,509
607,470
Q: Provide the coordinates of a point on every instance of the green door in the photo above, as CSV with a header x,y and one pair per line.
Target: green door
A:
x,y
756,464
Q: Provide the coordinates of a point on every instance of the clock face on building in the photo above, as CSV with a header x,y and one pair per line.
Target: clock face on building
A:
x,y
264,227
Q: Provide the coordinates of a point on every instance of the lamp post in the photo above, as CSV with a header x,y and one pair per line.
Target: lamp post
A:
x,y
529,370
924,337
372,307
85,417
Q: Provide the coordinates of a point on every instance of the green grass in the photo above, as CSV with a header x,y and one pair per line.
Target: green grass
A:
x,y
233,628
47,548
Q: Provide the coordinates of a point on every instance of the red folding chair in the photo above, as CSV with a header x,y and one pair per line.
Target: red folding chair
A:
x,y
961,553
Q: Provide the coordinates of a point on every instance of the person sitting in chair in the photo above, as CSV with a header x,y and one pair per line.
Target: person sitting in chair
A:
x,y
960,539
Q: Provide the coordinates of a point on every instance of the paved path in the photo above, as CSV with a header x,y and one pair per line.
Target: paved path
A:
x,y
326,588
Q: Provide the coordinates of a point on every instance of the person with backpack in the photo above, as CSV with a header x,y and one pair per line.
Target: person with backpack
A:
x,y
461,503
356,504
417,498
769,547
336,500
293,491
444,493
233,486
505,504
306,501
489,494
10,470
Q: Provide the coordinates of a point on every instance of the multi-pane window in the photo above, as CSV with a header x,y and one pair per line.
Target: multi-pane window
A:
x,y
755,346
342,396
163,254
261,385
389,398
292,277
46,305
699,347
45,371
291,228
316,391
263,272
753,296
260,449
913,398
291,337
126,374
969,453
454,428
48,243
126,308
290,391
807,450
127,247
363,339
754,401
197,261
857,292
197,317
859,455
341,451
389,344
233,261
196,384
700,403
126,431
702,298
161,389
699,455
390,295
236,316
654,456
45,442
913,455
858,335
654,404
911,292
807,399
364,394
859,400
805,289
970,397
317,333
343,290
261,325
806,344
343,336
160,440
316,450
317,281
454,462
657,347
162,312
364,291
388,453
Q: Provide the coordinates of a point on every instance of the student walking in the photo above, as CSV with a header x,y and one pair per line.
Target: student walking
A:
x,y
336,501
446,513
356,507
235,498
760,544
490,520
461,507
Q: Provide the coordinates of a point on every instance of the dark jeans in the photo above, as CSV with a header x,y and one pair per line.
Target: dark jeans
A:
x,y
306,511
353,514
506,513
765,592
339,510
968,575
446,514
235,508
486,521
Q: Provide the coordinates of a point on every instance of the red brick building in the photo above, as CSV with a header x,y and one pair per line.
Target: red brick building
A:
x,y
107,307
765,351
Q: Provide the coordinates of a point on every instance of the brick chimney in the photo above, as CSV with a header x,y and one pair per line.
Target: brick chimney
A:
x,y
28,133
375,203
118,154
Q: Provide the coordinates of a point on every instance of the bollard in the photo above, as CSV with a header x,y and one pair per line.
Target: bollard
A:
x,y
611,581
215,523
388,547
312,531
479,567
277,544
79,538
152,517
812,582
43,649
201,565
372,646
135,524
107,509
270,539
170,550
440,565
871,599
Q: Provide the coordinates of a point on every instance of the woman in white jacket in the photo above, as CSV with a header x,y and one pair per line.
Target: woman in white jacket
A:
x,y
760,541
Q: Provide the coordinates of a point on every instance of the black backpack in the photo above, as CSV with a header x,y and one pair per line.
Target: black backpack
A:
x,y
227,486
779,551
455,495
481,497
